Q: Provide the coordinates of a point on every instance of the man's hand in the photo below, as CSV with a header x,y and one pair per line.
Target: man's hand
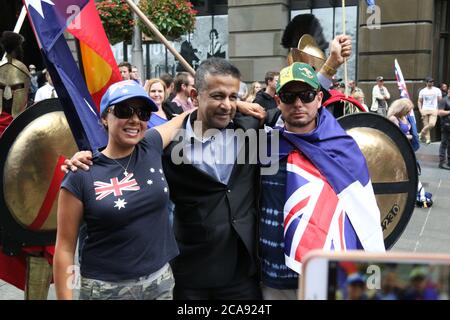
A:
x,y
81,159
251,109
340,49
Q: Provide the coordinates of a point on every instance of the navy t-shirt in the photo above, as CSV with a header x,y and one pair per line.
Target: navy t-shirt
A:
x,y
128,229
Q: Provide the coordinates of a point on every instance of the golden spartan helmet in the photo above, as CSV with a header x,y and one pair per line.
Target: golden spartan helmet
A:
x,y
307,51
14,76
392,167
304,38
14,86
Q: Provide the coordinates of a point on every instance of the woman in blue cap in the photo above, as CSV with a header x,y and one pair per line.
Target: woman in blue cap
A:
x,y
123,199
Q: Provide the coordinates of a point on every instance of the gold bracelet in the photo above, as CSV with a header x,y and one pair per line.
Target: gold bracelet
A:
x,y
328,71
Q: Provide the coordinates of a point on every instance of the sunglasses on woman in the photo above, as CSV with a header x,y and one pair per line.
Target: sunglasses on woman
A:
x,y
305,96
123,111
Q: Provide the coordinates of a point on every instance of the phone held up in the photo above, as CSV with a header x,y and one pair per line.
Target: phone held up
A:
x,y
358,275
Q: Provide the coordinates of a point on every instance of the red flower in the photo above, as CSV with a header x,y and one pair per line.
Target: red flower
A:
x,y
173,18
117,19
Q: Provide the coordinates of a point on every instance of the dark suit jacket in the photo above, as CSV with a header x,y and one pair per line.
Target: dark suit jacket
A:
x,y
214,223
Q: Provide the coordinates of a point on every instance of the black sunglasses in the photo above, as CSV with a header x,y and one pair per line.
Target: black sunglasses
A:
x,y
123,111
305,96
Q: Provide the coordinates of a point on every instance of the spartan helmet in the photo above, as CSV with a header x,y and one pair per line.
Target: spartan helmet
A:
x,y
14,76
308,52
304,38
14,86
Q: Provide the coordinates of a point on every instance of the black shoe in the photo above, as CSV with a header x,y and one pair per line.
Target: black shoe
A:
x,y
444,166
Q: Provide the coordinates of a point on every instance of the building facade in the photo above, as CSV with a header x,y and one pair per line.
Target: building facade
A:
x,y
415,32
249,32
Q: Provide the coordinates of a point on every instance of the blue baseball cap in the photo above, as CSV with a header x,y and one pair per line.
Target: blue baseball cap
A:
x,y
355,278
124,90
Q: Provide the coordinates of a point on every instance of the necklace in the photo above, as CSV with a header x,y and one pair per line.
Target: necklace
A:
x,y
125,169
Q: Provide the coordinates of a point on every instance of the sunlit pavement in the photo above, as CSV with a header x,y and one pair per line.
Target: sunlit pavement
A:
x,y
429,228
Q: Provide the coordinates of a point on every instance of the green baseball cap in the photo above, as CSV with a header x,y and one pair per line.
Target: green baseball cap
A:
x,y
298,71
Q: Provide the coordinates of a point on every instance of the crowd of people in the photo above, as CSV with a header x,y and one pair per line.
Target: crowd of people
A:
x,y
220,208
433,103
214,205
205,228
173,97
407,282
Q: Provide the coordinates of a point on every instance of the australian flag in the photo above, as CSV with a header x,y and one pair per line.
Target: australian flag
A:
x,y
330,203
49,20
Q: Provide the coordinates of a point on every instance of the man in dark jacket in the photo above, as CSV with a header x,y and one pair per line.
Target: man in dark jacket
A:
x,y
444,148
215,201
265,98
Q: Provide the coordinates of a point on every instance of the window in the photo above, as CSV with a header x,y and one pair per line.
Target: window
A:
x,y
310,4
443,44
211,7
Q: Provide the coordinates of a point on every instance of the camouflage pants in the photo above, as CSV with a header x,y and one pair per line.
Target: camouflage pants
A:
x,y
156,286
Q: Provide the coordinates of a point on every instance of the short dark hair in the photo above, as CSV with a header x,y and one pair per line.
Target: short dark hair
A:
x,y
216,67
125,64
180,79
270,75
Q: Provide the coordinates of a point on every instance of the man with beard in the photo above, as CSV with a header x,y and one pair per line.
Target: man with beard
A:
x,y
321,197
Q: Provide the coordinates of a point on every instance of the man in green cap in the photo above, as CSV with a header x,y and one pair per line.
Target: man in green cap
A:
x,y
321,196
299,80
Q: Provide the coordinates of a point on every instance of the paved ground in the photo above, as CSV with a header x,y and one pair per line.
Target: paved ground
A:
x,y
427,231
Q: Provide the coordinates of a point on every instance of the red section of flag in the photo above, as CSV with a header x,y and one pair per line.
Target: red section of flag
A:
x,y
88,29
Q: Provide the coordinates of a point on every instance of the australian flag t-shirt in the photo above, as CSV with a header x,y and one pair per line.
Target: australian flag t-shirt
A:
x,y
128,228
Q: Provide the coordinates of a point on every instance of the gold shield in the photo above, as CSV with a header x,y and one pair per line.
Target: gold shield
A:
x,y
392,168
30,166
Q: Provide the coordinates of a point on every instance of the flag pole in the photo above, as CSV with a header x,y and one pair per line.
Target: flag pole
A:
x,y
345,59
19,23
160,36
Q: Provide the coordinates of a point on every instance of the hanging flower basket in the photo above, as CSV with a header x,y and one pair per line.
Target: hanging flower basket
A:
x,y
173,18
117,20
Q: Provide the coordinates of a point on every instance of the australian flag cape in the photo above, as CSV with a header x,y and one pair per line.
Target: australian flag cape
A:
x,y
330,203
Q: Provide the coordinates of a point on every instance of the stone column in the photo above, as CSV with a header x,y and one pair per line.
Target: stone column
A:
x,y
255,31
